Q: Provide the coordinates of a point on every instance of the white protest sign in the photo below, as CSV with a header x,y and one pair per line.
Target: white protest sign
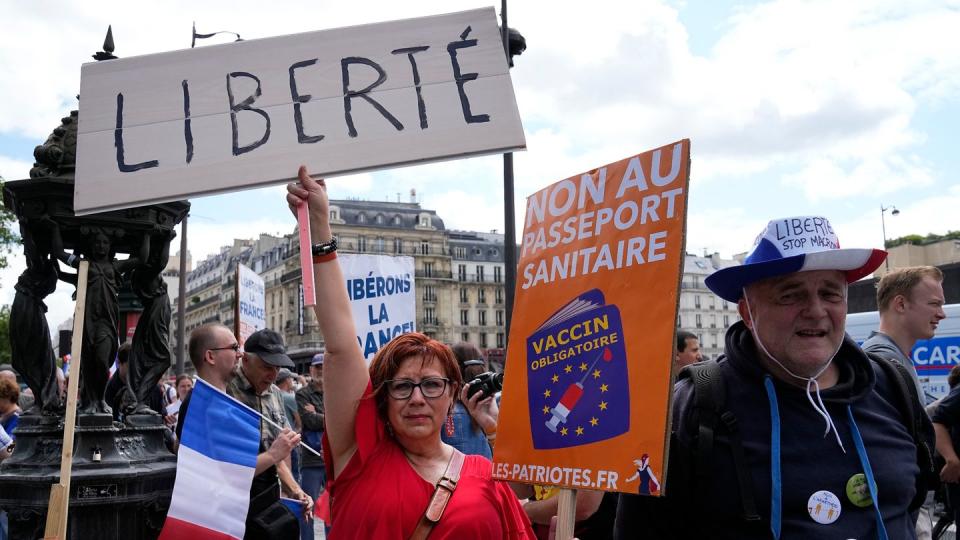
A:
x,y
381,292
251,303
173,125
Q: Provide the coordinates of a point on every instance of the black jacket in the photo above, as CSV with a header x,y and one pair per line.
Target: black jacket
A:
x,y
811,462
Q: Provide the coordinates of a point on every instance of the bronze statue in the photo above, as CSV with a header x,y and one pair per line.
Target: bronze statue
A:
x,y
101,313
150,352
33,356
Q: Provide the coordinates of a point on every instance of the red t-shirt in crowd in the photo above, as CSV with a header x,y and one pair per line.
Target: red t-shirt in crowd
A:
x,y
379,495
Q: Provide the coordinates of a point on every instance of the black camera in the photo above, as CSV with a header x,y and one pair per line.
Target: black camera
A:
x,y
489,383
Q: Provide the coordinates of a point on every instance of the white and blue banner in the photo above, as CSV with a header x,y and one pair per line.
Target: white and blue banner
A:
x,y
251,303
382,297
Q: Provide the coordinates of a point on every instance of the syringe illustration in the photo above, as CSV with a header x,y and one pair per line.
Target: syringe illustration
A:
x,y
572,395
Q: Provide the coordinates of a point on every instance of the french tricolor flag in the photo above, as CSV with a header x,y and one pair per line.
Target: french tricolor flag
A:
x,y
215,465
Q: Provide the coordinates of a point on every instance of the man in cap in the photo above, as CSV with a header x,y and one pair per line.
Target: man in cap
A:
x,y
811,443
264,355
310,407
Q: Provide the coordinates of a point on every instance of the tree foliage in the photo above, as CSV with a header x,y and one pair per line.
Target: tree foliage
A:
x,y
5,354
919,240
8,236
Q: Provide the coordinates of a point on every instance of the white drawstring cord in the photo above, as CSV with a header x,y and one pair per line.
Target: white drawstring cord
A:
x,y
811,381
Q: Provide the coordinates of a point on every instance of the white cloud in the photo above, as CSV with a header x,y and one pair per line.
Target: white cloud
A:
x,y
823,178
14,169
817,97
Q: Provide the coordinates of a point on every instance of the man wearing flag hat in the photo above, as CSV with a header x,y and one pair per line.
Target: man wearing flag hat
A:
x,y
810,439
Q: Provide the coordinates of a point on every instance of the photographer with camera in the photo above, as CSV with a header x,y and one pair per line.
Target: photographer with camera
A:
x,y
472,426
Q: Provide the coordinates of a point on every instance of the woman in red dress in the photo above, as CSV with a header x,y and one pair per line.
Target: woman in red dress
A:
x,y
384,453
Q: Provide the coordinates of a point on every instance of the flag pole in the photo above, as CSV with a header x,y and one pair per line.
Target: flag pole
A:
x,y
59,506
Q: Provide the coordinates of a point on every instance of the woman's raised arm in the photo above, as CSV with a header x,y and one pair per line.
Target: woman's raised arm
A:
x,y
345,374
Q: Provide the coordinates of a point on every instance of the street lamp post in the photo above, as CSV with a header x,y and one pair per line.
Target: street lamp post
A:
x,y
883,224
513,44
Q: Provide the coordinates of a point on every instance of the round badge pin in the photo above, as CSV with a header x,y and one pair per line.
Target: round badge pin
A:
x,y
858,492
823,507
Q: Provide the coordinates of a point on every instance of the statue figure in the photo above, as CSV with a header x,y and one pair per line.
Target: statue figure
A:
x,y
150,350
101,313
33,356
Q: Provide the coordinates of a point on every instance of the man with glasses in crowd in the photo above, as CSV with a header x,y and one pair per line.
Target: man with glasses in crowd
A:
x,y
214,352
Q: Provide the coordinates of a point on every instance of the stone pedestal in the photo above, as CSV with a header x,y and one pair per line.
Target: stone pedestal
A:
x,y
121,483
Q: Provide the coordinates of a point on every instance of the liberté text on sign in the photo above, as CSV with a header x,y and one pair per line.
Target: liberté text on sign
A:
x,y
173,125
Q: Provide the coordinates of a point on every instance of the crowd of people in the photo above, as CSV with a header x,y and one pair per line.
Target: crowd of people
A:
x,y
796,431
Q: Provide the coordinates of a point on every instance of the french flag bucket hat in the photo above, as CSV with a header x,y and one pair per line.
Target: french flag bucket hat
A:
x,y
794,244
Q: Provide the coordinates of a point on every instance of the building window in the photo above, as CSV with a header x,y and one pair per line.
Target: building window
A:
x,y
461,272
465,336
464,317
379,219
498,294
398,245
429,315
361,218
424,247
481,296
726,321
696,301
464,298
497,277
499,317
479,273
424,221
500,340
483,340
699,323
361,243
334,214
493,252
428,269
397,220
428,294
482,317
379,244
460,252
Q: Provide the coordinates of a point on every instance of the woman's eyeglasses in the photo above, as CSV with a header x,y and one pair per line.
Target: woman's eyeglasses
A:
x,y
431,387
235,347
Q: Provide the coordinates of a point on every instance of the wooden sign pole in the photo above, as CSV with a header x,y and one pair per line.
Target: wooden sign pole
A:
x,y
57,510
566,513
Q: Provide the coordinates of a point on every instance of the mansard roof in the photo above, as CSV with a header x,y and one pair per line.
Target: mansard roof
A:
x,y
409,214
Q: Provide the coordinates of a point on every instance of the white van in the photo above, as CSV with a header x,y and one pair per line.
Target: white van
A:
x,y
933,358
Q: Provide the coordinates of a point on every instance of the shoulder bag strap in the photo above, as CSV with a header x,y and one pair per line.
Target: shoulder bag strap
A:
x,y
441,496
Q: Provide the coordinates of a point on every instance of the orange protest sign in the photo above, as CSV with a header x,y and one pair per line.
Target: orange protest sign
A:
x,y
588,382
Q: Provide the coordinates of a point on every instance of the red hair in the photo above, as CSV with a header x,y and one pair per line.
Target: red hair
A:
x,y
387,362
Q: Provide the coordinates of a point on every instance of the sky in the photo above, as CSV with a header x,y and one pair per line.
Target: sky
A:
x,y
792,107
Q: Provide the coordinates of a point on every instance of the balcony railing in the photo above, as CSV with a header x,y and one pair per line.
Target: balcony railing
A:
x,y
433,274
475,278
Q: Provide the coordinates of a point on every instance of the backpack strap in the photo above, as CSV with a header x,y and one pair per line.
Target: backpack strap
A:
x,y
709,402
908,402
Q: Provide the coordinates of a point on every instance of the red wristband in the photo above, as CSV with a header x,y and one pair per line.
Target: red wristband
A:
x,y
317,259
